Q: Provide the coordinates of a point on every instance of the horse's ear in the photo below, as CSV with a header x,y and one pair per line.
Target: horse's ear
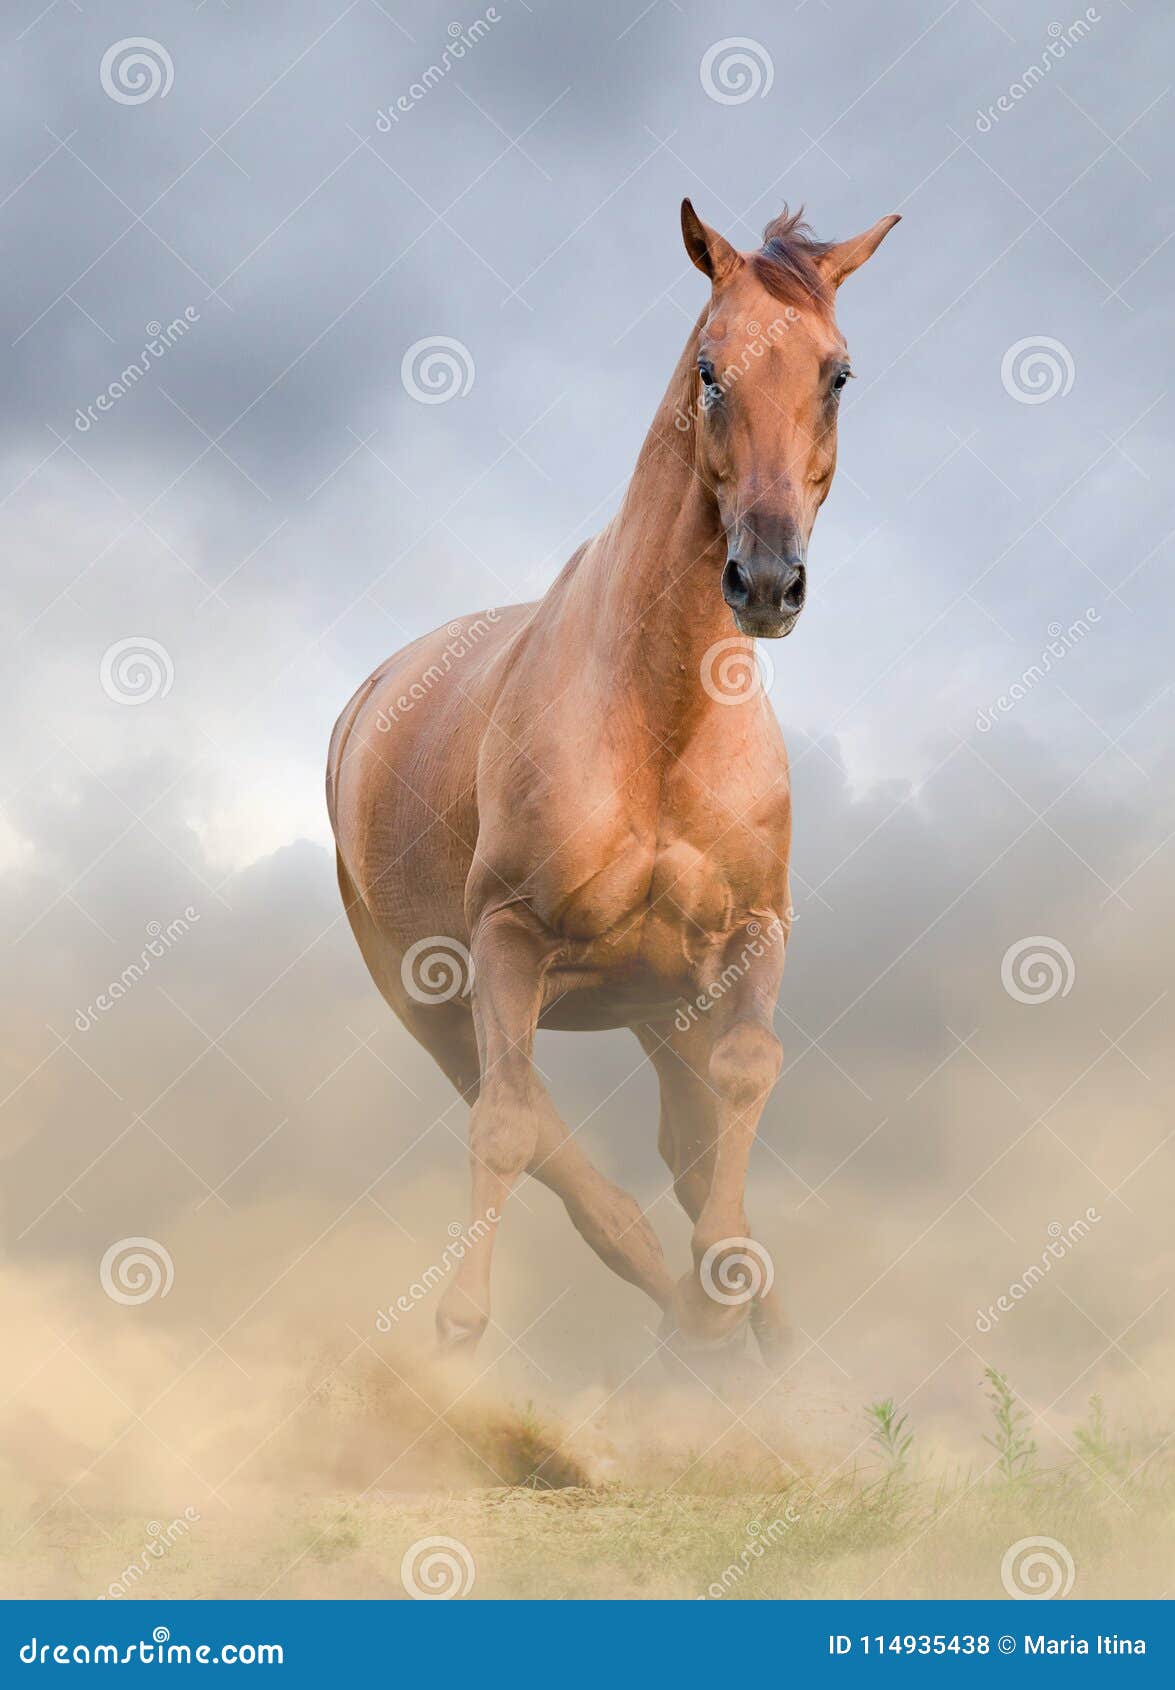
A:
x,y
846,256
710,251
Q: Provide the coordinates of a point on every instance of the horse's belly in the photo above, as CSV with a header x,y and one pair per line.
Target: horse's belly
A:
x,y
596,1006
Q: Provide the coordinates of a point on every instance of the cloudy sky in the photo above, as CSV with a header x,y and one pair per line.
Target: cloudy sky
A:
x,y
273,507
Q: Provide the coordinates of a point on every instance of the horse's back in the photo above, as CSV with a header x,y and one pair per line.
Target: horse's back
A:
x,y
401,782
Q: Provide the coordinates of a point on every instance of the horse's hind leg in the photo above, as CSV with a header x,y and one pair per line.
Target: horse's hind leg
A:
x,y
515,1127
443,1027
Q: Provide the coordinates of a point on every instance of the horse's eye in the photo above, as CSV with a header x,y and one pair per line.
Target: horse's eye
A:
x,y
839,379
706,371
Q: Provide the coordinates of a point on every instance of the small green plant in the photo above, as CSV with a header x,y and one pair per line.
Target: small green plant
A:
x,y
1095,1445
889,1437
1015,1449
1092,1438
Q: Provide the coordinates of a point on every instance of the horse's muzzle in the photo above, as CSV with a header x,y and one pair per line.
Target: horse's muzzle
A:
x,y
766,594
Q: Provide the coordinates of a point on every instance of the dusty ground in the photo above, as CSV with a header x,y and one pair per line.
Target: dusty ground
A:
x,y
618,1542
729,1521
299,1449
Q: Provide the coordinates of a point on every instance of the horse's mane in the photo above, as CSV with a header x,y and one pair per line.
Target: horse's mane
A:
x,y
788,262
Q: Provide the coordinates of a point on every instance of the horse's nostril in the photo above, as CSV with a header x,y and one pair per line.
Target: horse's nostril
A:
x,y
793,591
737,583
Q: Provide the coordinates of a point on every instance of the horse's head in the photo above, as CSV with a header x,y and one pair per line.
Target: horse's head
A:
x,y
770,368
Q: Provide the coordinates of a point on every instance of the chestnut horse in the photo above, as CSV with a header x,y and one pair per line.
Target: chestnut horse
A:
x,y
576,813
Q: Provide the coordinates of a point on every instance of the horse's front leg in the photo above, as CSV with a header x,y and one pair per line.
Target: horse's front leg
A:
x,y
515,1127
508,968
735,1060
693,1118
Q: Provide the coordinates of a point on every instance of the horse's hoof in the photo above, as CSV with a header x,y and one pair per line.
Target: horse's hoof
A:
x,y
774,1341
686,1354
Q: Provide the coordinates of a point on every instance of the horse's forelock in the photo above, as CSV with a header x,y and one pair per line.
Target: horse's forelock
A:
x,y
788,263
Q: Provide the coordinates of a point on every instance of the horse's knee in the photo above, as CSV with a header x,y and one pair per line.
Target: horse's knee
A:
x,y
745,1063
503,1128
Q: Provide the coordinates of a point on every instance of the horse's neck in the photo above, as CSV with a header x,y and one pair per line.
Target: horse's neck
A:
x,y
656,570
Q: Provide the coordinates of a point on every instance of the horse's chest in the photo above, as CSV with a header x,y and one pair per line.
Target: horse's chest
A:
x,y
691,888
662,899
668,908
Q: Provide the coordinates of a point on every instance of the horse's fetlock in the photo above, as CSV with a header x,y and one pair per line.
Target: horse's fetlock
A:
x,y
460,1322
712,1234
